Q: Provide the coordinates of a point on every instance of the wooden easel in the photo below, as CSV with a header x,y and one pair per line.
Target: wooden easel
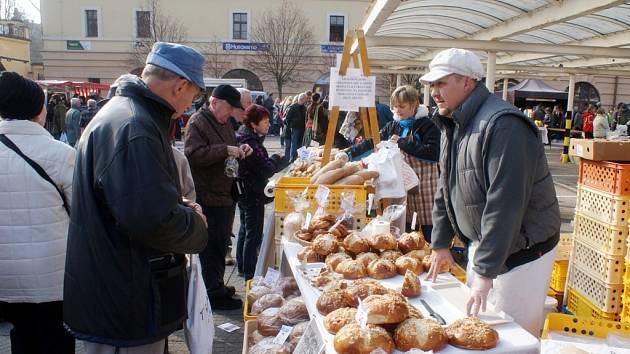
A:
x,y
367,115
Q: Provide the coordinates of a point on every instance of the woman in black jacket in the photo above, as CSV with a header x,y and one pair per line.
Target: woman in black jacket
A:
x,y
419,140
253,173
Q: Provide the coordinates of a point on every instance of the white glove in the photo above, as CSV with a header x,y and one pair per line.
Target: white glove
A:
x,y
478,295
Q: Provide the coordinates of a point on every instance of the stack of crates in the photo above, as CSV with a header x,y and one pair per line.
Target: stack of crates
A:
x,y
595,282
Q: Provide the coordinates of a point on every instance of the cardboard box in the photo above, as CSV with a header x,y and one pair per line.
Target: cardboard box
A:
x,y
600,149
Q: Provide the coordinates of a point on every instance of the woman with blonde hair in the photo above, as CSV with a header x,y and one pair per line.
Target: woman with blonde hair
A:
x,y
419,140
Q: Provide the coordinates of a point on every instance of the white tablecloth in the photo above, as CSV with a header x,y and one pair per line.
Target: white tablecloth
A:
x,y
512,338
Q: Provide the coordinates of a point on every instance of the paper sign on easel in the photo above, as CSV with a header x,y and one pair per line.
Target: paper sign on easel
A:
x,y
352,90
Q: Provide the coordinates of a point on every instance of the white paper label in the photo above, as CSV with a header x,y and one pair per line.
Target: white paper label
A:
x,y
311,341
272,276
303,153
283,335
229,327
307,222
314,144
362,315
370,201
413,221
322,193
579,150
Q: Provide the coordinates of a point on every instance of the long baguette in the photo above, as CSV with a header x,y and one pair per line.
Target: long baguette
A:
x,y
352,180
332,165
330,177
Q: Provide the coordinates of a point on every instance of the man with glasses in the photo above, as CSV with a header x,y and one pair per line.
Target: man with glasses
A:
x,y
125,276
208,143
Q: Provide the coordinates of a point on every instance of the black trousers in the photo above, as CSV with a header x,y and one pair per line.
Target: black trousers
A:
x,y
37,328
249,238
213,256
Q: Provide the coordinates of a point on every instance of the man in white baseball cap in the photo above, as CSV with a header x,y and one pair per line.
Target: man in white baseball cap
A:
x,y
495,192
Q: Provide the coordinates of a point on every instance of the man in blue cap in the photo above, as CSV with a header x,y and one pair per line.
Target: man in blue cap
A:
x,y
125,276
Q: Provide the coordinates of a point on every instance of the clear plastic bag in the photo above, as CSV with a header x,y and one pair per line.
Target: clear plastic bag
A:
x,y
348,206
231,167
294,221
321,197
293,312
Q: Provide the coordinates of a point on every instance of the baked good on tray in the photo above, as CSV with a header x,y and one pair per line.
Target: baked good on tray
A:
x,y
333,259
411,241
325,244
329,301
355,243
308,255
424,334
382,242
362,288
411,285
404,263
351,269
381,269
337,319
392,255
354,339
387,308
472,333
366,258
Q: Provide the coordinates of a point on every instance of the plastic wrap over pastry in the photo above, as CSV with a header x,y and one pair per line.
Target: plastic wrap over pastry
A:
x,y
258,291
269,323
265,302
267,346
288,285
293,312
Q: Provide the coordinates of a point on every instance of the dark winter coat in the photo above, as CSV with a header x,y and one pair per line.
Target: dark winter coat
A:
x,y
255,170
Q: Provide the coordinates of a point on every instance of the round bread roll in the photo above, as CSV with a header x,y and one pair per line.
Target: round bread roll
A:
x,y
325,244
337,319
254,338
381,269
353,339
329,301
417,254
382,309
351,269
267,346
355,243
308,255
293,312
392,255
366,258
411,241
333,260
288,285
362,288
411,285
265,302
269,323
423,334
472,333
404,263
258,291
426,262
383,242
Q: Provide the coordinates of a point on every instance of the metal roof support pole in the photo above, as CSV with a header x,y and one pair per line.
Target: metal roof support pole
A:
x,y
398,80
491,70
505,88
567,120
426,100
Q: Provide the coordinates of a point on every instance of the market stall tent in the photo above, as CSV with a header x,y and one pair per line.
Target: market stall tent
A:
x,y
531,92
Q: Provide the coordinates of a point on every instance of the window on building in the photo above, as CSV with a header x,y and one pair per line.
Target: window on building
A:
x,y
91,23
143,24
336,28
239,25
95,80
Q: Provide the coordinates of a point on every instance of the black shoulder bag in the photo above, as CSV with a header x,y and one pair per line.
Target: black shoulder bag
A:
x,y
36,167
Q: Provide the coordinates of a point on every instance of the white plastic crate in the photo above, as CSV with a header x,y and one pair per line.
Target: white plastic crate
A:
x,y
607,297
604,267
605,207
607,238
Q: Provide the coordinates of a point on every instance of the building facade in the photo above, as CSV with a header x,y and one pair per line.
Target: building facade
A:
x,y
99,40
15,46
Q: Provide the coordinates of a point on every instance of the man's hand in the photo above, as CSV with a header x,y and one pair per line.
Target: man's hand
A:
x,y
235,152
478,295
197,208
439,257
247,150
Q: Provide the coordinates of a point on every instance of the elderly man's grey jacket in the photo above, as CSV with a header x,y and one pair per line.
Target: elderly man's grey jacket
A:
x,y
495,186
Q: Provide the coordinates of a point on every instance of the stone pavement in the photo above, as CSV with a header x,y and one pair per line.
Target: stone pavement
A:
x,y
565,178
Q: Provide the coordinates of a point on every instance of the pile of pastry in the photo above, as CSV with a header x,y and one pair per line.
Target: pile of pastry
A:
x,y
325,226
365,316
379,256
263,295
291,313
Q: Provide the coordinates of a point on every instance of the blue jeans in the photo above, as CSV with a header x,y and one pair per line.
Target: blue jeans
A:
x,y
250,237
297,137
287,148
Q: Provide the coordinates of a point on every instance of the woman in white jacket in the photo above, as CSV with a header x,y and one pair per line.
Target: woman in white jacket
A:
x,y
33,220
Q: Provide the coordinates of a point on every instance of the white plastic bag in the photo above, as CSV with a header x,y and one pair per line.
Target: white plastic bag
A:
x,y
64,138
199,327
388,162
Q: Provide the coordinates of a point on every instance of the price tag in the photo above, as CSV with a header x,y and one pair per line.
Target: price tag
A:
x,y
307,222
283,335
272,276
311,341
304,153
322,193
413,221
579,150
370,201
314,144
362,315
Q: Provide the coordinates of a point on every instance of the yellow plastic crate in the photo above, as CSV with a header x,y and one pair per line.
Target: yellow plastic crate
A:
x,y
559,275
607,268
287,187
580,306
585,326
626,276
625,311
605,297
247,316
606,238
605,207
